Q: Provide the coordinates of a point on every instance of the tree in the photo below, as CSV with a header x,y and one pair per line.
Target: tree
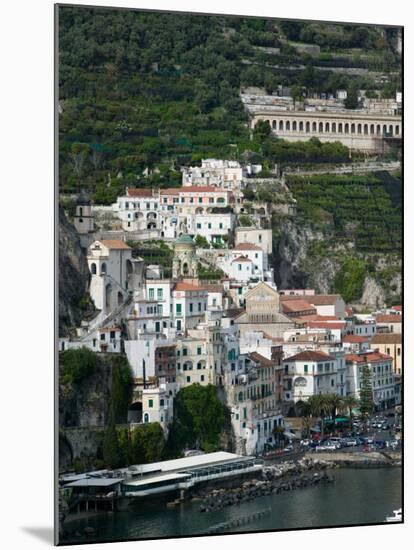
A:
x,y
77,364
201,242
147,443
262,130
111,449
366,401
350,402
351,101
121,390
78,154
320,408
199,418
349,280
335,404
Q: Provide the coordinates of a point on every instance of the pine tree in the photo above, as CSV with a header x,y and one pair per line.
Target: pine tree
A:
x,y
111,450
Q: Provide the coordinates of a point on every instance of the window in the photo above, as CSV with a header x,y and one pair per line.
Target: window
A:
x,y
178,309
220,225
199,226
103,336
179,324
199,351
94,342
151,294
202,377
150,403
146,418
93,269
185,351
199,306
161,402
159,293
191,307
305,369
240,267
188,378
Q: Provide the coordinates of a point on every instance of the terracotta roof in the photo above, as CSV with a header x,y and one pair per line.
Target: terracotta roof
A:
x,y
389,318
354,339
322,318
322,299
309,355
387,338
397,308
314,299
192,189
242,259
115,244
293,306
247,246
326,324
260,359
181,286
134,192
367,357
213,287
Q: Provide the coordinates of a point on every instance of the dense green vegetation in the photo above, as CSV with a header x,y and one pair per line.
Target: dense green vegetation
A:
x,y
350,208
141,445
77,365
121,389
349,280
199,419
144,93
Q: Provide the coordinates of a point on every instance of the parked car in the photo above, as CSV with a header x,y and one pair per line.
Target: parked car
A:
x,y
351,442
325,448
335,441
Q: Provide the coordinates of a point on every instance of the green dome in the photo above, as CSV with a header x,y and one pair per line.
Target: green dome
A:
x,y
185,239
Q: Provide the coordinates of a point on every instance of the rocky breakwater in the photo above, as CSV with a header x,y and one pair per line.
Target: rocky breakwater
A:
x,y
275,479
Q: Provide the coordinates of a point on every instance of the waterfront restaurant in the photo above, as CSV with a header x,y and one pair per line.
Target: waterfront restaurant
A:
x,y
143,480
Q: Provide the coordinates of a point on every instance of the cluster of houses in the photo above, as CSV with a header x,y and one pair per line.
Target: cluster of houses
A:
x,y
264,349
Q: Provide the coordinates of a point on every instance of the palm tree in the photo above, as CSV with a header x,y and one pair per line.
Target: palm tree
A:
x,y
336,405
350,402
306,414
320,408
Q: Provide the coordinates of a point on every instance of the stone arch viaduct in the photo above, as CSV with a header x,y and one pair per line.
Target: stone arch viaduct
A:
x,y
355,130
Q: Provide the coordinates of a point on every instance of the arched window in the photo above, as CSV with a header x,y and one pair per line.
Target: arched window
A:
x,y
390,129
365,129
93,269
274,123
340,128
334,127
294,125
288,125
308,127
301,126
372,129
352,128
321,127
146,418
120,298
280,124
384,129
327,129
103,269
346,128
397,130
378,129
359,128
185,269
240,396
80,211
108,293
313,126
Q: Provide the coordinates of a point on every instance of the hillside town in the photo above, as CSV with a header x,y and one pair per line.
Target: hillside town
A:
x,y
215,315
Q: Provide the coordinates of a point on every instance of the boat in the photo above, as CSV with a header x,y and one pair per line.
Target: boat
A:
x,y
396,517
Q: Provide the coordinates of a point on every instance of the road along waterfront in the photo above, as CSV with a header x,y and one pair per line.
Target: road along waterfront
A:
x,y
358,496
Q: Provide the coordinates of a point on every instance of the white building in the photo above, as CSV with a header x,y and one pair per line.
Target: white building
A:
x,y
309,373
138,210
157,406
227,174
112,271
252,235
382,376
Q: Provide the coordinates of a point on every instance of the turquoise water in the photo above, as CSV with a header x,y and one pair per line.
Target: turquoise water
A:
x,y
358,496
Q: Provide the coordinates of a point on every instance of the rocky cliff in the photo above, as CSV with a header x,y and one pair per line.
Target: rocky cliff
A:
x,y
306,257
73,276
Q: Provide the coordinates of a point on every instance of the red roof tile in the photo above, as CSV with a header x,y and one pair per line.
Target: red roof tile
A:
x,y
310,355
389,318
115,244
354,339
247,246
134,192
